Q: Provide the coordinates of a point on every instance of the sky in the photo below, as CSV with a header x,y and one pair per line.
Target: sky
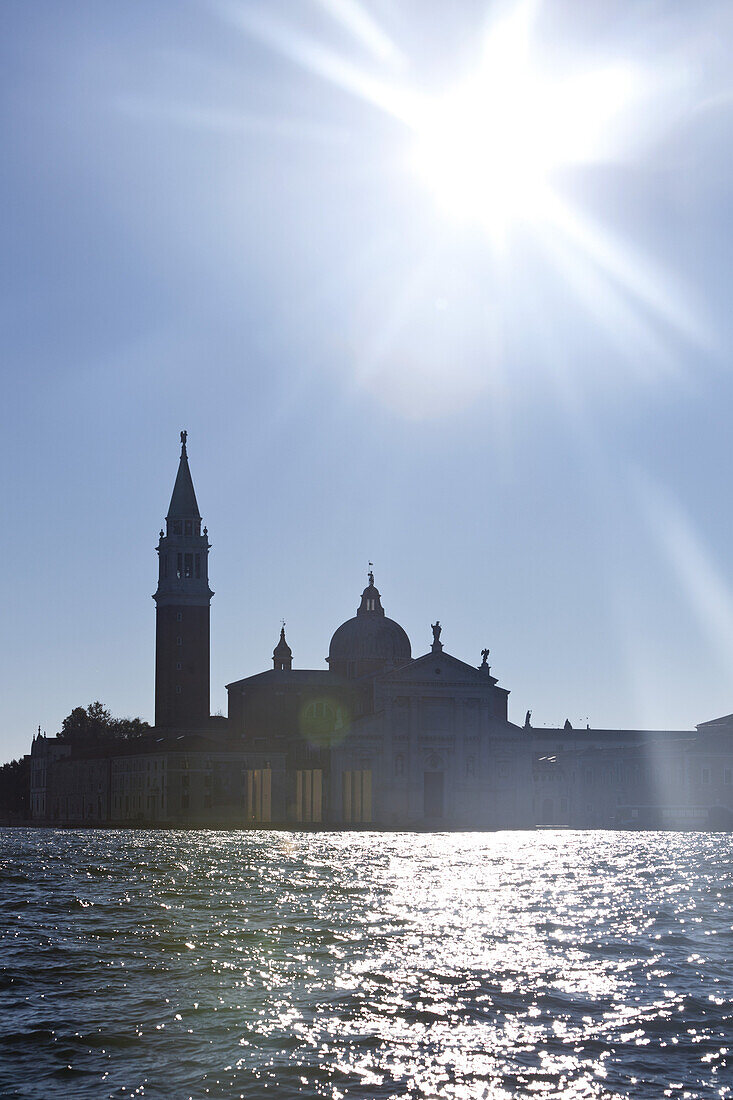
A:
x,y
443,287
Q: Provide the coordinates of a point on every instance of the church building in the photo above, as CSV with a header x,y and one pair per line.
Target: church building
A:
x,y
378,738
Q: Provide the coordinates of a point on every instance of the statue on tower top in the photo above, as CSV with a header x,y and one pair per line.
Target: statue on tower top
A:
x,y
184,437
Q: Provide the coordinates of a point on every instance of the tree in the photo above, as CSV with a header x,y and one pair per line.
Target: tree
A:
x,y
127,728
15,778
95,723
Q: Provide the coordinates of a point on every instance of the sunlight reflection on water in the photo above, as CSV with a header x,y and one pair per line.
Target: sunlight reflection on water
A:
x,y
214,964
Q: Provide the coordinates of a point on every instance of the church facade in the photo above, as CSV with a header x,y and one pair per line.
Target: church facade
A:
x,y
378,738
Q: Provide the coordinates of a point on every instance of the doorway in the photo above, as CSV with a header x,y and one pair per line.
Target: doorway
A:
x,y
433,794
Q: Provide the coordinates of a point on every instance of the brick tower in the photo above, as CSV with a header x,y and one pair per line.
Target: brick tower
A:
x,y
182,611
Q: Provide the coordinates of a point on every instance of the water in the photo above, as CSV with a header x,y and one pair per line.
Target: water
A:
x,y
214,964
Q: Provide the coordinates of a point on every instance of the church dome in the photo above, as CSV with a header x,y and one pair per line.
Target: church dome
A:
x,y
370,641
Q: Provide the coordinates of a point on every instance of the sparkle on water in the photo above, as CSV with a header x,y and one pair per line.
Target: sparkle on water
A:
x,y
206,964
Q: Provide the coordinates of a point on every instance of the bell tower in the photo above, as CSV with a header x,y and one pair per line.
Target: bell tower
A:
x,y
182,610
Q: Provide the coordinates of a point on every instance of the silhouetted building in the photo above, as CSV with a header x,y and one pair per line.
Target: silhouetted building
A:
x,y
379,737
387,737
182,600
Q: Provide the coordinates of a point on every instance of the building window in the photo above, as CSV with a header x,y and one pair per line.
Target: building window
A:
x,y
179,616
188,527
188,565
356,796
179,666
176,526
179,640
198,567
179,565
178,689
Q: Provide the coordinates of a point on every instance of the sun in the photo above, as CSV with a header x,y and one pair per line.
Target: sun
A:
x,y
480,162
491,149
490,170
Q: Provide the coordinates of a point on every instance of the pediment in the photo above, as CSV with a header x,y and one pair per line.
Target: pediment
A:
x,y
438,668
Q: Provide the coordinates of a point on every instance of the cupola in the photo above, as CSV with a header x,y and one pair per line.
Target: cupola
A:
x,y
282,654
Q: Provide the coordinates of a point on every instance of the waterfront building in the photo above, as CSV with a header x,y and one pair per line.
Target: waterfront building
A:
x,y
377,738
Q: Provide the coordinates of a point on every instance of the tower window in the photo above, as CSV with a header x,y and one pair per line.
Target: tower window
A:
x,y
198,567
179,666
179,616
188,565
179,565
176,526
178,689
188,527
179,640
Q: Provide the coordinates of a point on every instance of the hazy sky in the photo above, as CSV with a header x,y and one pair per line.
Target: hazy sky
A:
x,y
419,296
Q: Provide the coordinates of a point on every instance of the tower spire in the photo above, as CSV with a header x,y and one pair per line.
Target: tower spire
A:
x,y
183,505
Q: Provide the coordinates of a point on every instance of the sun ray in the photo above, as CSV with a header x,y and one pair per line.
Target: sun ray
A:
x,y
355,18
702,582
399,102
628,270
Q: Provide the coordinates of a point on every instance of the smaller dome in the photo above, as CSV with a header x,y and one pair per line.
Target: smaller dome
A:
x,y
282,654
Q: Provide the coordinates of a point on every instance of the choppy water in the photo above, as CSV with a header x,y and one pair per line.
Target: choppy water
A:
x,y
213,964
